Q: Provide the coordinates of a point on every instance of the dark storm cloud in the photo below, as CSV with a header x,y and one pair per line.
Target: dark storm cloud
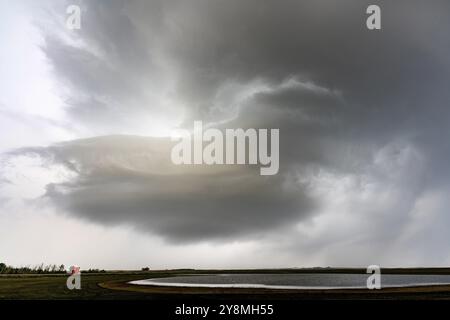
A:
x,y
343,97
130,180
325,42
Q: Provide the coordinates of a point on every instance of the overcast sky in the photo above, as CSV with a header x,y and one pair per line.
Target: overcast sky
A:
x,y
86,117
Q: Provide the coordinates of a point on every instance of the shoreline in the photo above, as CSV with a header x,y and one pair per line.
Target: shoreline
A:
x,y
426,292
152,282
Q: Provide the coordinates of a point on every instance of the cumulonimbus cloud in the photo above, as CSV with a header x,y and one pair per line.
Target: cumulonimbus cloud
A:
x,y
348,101
131,180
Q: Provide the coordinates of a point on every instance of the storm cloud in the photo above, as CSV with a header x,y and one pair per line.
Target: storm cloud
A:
x,y
131,180
363,117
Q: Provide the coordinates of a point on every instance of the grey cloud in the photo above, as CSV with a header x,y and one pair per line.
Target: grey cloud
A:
x,y
358,93
130,180
109,73
384,76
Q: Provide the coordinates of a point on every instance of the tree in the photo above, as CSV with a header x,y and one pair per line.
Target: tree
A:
x,y
2,267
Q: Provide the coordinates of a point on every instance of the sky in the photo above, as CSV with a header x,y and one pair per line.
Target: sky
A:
x,y
86,117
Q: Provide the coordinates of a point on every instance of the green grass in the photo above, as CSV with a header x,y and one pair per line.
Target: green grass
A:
x,y
54,286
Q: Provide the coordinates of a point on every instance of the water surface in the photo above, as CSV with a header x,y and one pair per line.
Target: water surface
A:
x,y
294,281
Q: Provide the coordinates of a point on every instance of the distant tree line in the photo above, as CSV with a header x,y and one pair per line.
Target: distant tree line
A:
x,y
40,269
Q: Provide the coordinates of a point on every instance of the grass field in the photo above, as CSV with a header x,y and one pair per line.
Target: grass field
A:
x,y
54,286
113,285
